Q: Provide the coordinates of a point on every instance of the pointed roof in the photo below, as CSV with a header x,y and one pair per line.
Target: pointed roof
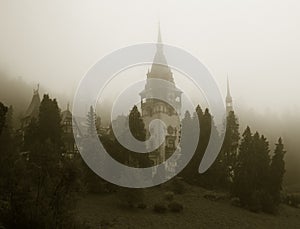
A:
x,y
162,70
34,106
159,40
228,96
66,114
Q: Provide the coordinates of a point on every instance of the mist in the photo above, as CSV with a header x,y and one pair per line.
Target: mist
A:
x,y
254,43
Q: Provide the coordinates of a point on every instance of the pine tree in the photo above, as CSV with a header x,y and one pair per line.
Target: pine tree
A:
x,y
49,127
277,171
242,182
137,125
262,161
91,122
190,172
9,120
229,150
98,124
3,110
137,128
8,154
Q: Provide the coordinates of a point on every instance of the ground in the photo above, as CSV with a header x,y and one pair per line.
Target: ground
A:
x,y
105,211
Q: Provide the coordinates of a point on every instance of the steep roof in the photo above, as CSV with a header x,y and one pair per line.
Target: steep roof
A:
x,y
162,70
33,109
66,114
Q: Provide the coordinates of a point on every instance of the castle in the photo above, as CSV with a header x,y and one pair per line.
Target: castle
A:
x,y
153,108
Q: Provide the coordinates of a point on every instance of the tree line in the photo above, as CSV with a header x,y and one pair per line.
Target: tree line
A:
x,y
39,186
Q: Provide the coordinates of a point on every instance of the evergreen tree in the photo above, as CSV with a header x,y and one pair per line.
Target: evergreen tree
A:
x,y
277,171
8,153
262,161
137,128
242,183
251,174
91,122
215,176
9,120
230,145
190,172
49,127
137,125
3,110
98,124
55,179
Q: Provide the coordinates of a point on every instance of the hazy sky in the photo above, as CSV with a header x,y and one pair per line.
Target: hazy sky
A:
x,y
255,42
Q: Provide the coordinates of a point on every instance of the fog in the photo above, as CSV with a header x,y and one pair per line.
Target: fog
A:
x,y
255,43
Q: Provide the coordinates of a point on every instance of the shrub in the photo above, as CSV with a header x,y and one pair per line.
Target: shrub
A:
x,y
178,185
175,207
254,203
159,208
262,201
268,204
214,196
293,200
169,196
142,205
235,202
131,197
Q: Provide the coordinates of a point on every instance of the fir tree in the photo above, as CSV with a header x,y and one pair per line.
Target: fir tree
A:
x,y
136,124
137,128
190,172
277,171
49,127
91,122
229,150
242,183
3,110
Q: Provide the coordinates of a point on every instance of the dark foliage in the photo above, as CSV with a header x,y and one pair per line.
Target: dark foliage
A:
x,y
160,208
175,207
3,110
38,186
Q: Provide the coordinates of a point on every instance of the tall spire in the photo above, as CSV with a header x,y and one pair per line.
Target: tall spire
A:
x,y
229,106
35,92
159,40
160,68
159,44
228,88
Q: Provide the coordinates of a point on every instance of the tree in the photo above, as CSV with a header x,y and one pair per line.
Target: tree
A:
x,y
242,183
136,124
230,145
137,128
49,127
262,161
190,172
133,197
91,122
3,110
251,175
277,171
52,182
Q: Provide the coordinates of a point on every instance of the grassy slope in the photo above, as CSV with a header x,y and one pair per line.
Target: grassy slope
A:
x,y
198,213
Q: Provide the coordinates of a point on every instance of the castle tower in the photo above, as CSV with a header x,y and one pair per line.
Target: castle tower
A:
x,y
32,110
157,109
67,132
229,106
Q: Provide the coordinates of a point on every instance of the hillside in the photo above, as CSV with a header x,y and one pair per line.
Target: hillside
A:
x,y
104,211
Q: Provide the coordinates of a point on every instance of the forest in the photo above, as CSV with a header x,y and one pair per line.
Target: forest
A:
x,y
40,186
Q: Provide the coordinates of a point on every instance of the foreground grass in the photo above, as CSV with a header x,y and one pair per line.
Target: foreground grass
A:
x,y
105,211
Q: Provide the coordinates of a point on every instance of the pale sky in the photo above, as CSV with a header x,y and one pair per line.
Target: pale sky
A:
x,y
255,42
